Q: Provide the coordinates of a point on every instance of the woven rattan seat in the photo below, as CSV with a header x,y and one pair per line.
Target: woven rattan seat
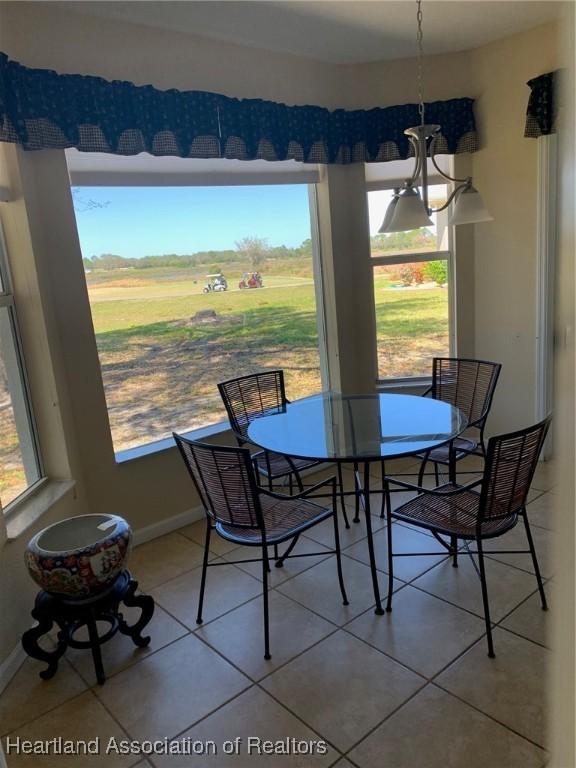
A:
x,y
275,466
475,512
283,521
454,515
238,510
461,447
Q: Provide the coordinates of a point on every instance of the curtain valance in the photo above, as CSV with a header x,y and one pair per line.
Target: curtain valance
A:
x,y
41,109
540,111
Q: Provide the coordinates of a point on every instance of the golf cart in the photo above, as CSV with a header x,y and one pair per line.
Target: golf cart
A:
x,y
251,280
215,283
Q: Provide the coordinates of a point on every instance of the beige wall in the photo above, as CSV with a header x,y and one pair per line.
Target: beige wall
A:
x,y
563,677
495,261
40,35
505,169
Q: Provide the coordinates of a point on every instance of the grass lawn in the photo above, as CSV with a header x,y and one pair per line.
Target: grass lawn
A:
x,y
160,365
411,328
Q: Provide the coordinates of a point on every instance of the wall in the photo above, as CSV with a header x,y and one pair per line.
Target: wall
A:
x,y
43,36
563,672
505,169
495,261
48,382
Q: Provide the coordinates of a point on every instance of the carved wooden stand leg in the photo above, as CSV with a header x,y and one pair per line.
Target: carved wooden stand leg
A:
x,y
71,615
146,604
30,638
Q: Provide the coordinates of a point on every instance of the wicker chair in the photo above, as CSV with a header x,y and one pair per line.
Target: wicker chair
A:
x,y
460,512
469,385
245,514
262,394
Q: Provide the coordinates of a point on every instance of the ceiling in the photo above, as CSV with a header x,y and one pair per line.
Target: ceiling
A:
x,y
335,31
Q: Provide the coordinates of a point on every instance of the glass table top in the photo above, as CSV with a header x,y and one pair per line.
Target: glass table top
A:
x,y
358,427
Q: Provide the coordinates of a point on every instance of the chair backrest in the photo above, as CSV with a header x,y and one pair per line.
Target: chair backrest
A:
x,y
510,464
248,397
224,479
467,384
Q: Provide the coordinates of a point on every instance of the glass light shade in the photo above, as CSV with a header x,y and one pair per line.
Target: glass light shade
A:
x,y
409,213
388,216
469,208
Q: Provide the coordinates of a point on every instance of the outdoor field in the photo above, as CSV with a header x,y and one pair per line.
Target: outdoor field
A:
x,y
161,361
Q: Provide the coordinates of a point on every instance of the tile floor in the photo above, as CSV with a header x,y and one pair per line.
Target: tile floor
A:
x,y
410,689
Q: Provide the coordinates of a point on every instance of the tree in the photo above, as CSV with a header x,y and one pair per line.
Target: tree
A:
x,y
255,249
83,204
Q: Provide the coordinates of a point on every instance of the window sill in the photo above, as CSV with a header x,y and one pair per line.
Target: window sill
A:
x,y
413,382
158,446
27,511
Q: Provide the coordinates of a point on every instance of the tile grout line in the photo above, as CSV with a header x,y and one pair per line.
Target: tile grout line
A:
x,y
490,717
336,628
256,684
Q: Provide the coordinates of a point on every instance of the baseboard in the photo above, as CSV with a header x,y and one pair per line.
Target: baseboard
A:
x,y
169,524
10,666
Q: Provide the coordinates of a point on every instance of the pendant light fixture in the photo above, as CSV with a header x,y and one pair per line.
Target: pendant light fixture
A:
x,y
409,208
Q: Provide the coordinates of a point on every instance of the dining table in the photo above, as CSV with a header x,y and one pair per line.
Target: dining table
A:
x,y
358,429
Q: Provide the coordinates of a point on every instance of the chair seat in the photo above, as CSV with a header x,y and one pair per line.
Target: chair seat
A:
x,y
452,515
283,521
462,446
279,464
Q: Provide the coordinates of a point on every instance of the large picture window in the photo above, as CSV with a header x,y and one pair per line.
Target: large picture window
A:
x,y
20,466
412,291
190,286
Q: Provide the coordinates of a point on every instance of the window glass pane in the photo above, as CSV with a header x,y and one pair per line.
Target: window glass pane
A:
x,y
18,463
434,238
168,328
412,317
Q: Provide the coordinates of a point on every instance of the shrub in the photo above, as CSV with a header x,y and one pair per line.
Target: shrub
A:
x,y
411,273
436,271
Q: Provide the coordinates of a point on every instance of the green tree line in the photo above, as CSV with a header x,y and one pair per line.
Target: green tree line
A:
x,y
253,251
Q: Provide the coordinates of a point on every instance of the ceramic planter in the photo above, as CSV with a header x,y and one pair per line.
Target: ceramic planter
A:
x,y
81,556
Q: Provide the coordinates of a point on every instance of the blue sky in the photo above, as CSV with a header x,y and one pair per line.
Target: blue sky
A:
x,y
141,221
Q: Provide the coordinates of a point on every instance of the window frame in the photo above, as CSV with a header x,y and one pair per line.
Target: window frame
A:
x,y
412,257
308,179
7,302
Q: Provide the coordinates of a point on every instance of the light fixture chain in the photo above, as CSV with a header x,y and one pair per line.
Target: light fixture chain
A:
x,y
419,37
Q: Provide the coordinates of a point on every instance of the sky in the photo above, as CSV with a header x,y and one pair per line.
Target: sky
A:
x,y
141,221
144,221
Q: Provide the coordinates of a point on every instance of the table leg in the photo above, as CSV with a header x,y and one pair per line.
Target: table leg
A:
x,y
366,496
359,498
357,489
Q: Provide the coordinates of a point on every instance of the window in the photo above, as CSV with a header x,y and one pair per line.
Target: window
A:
x,y
19,458
192,285
412,290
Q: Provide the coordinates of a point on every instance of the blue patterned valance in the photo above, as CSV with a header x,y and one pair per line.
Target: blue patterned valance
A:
x,y
41,109
540,111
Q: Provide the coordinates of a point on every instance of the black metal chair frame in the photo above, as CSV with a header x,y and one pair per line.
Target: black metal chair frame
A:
x,y
242,437
479,423
479,535
213,523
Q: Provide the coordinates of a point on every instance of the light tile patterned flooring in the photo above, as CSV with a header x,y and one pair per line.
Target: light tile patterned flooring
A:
x,y
411,689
